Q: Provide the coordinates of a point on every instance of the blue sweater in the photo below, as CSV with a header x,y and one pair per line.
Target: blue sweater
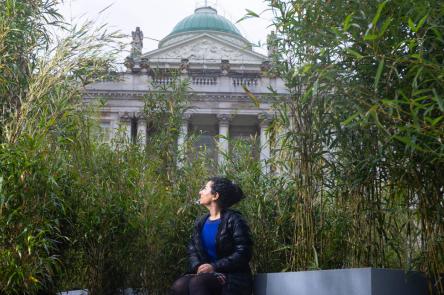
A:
x,y
209,231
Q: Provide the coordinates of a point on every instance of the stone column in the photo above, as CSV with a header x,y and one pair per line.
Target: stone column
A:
x,y
182,136
224,124
183,130
125,121
114,126
141,131
264,121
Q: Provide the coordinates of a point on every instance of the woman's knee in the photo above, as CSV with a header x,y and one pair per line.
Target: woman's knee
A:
x,y
204,284
180,286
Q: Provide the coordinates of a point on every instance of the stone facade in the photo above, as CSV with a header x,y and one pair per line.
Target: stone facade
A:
x,y
220,66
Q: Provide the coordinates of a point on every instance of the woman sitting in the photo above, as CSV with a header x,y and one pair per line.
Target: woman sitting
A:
x,y
220,247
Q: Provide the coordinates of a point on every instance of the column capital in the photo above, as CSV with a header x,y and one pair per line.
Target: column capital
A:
x,y
224,118
140,116
264,119
126,116
186,117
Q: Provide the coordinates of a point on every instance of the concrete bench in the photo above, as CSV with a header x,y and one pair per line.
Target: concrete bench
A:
x,y
355,281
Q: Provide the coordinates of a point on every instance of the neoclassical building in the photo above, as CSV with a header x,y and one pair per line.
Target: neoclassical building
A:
x,y
220,64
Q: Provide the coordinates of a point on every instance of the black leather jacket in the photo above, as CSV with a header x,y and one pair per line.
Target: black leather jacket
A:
x,y
233,247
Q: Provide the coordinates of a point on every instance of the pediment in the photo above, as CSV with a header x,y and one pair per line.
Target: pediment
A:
x,y
205,47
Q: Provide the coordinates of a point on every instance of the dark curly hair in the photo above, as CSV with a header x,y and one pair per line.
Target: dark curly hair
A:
x,y
229,192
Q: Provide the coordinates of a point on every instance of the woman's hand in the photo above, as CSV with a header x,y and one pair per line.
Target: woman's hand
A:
x,y
205,268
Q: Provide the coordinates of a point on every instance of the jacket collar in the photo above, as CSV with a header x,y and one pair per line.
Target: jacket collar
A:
x,y
224,214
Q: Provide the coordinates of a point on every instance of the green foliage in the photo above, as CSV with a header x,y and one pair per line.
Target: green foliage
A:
x,y
356,172
31,219
41,124
361,134
163,108
24,31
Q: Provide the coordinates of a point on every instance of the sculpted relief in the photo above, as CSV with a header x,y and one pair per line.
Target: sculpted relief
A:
x,y
232,40
183,37
208,50
177,39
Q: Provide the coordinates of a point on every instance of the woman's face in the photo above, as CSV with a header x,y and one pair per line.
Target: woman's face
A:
x,y
206,197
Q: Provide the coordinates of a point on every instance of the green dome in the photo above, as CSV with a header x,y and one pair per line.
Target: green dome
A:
x,y
205,19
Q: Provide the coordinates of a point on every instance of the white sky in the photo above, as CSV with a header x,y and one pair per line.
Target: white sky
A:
x,y
156,18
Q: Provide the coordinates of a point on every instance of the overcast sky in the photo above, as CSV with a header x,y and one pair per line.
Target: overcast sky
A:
x,y
156,18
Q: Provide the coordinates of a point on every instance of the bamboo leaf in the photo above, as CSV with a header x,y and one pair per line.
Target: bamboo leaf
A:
x,y
307,95
283,248
390,102
336,31
346,24
385,25
354,53
379,73
438,99
438,35
316,259
249,14
306,68
437,120
33,279
373,112
106,8
378,13
421,22
408,141
350,119
295,73
411,25
252,13
253,97
370,37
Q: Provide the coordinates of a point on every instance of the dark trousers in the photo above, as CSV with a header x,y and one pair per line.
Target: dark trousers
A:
x,y
201,284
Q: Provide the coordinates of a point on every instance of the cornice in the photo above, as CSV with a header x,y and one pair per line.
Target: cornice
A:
x,y
220,97
203,97
90,94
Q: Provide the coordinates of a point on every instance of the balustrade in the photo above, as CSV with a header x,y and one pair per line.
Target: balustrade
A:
x,y
245,81
204,81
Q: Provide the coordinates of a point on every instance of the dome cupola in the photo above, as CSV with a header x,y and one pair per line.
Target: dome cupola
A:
x,y
204,19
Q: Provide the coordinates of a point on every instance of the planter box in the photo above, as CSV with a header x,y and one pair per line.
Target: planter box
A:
x,y
128,291
355,281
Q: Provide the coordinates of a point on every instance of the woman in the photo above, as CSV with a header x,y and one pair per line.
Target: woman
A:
x,y
220,247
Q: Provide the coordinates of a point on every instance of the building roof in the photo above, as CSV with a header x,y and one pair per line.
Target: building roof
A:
x,y
205,19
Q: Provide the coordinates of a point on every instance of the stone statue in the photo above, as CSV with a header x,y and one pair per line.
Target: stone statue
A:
x,y
265,68
137,43
145,64
271,44
184,65
129,63
225,66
